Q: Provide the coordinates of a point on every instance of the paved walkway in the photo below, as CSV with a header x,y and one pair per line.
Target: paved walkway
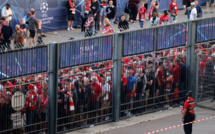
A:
x,y
154,121
64,36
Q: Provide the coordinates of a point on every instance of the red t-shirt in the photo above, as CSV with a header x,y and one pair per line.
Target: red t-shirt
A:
x,y
33,96
190,104
161,76
173,8
124,82
164,19
176,73
169,83
96,91
142,12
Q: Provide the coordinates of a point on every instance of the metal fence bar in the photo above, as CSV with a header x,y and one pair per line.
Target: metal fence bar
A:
x,y
53,80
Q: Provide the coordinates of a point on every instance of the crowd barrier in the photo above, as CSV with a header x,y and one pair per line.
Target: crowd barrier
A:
x,y
94,70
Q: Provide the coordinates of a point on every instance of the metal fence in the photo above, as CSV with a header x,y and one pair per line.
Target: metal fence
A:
x,y
206,81
99,64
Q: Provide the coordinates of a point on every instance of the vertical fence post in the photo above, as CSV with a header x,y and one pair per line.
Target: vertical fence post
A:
x,y
191,57
53,72
117,70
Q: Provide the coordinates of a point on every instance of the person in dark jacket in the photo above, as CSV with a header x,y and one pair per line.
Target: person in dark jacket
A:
x,y
7,33
111,12
123,24
81,98
183,74
70,5
32,26
95,8
133,4
87,97
199,9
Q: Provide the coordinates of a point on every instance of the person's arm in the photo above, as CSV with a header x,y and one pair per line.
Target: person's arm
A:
x,y
114,11
170,8
3,13
176,11
97,7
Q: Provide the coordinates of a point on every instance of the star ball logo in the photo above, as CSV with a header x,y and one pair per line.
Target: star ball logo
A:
x,y
44,7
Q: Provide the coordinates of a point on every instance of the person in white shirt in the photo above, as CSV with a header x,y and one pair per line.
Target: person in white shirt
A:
x,y
105,91
193,13
7,13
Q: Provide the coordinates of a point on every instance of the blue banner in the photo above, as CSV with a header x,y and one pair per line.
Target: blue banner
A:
x,y
205,30
23,62
86,51
138,42
171,36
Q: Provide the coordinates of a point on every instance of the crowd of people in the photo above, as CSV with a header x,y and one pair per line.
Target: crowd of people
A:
x,y
85,93
93,14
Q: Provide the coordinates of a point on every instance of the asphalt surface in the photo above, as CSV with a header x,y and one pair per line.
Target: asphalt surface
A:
x,y
204,127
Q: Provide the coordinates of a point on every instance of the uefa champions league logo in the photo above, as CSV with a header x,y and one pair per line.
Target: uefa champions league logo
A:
x,y
44,7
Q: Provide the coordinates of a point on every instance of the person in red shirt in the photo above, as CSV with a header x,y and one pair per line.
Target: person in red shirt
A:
x,y
173,9
164,19
141,13
95,98
160,80
168,85
107,29
176,73
31,101
188,114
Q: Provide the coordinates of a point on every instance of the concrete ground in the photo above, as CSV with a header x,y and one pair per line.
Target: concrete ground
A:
x,y
154,121
64,35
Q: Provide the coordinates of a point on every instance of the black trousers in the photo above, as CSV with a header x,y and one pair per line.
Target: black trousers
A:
x,y
83,21
5,43
97,20
188,128
133,14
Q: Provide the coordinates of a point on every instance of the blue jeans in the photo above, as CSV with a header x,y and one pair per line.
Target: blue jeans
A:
x,y
141,23
111,22
172,18
188,14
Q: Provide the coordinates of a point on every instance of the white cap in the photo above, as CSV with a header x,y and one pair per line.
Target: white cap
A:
x,y
193,4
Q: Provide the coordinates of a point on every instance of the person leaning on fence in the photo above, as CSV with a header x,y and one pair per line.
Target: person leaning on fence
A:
x,y
164,19
123,24
173,9
130,92
154,21
193,13
199,9
85,11
90,26
107,27
141,14
6,33
70,5
19,37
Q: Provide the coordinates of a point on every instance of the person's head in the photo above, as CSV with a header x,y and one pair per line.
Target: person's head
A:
x,y
161,64
44,85
142,4
7,22
2,20
86,82
110,3
29,14
31,88
44,92
32,10
147,70
193,4
21,21
94,79
122,17
90,17
153,4
103,80
173,1
169,72
94,0
86,1
33,13
171,62
17,27
196,2
106,21
177,61
7,6
209,59
166,13
129,73
80,77
189,94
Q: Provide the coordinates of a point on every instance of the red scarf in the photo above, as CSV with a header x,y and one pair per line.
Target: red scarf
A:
x,y
87,7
